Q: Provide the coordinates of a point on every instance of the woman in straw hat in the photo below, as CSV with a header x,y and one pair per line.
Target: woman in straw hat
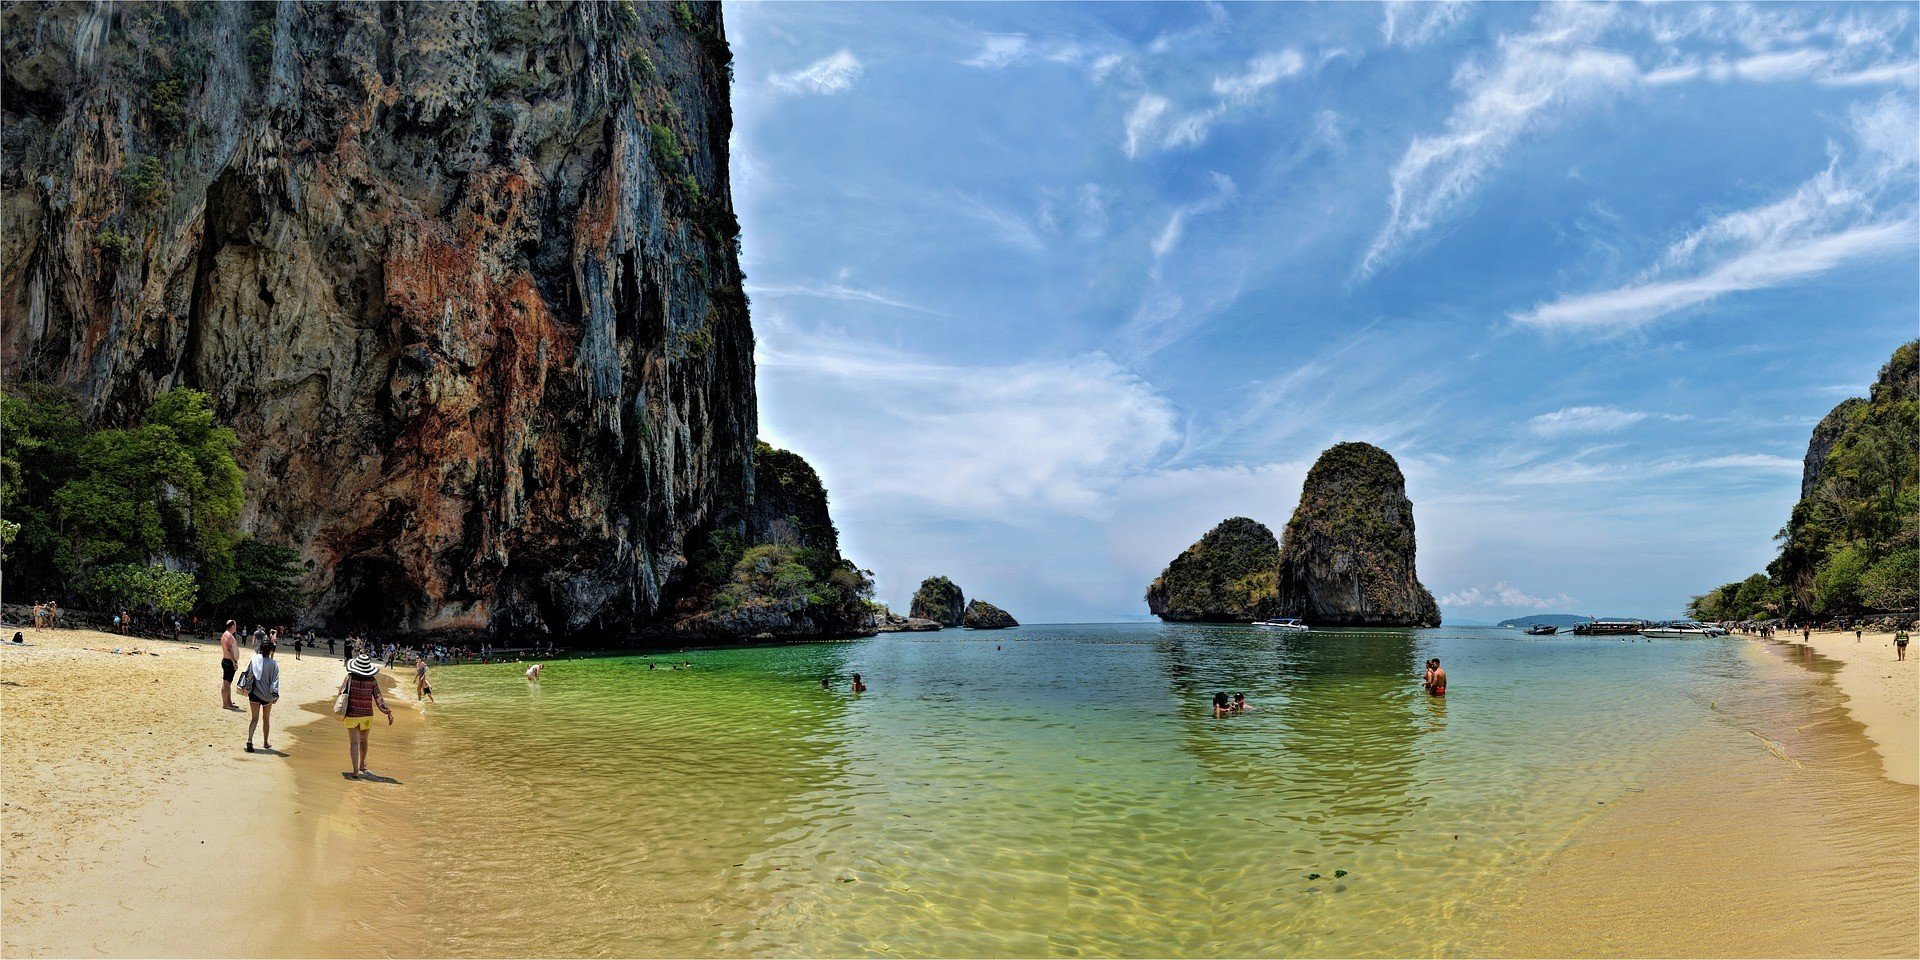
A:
x,y
362,690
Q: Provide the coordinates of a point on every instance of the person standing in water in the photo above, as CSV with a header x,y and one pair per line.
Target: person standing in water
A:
x,y
1220,705
362,688
422,690
858,687
263,691
1437,683
229,661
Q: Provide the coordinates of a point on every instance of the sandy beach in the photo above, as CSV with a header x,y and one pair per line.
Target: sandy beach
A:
x,y
135,823
1881,693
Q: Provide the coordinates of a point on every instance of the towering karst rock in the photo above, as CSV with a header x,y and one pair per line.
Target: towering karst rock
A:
x,y
981,615
1227,576
939,600
1347,558
461,276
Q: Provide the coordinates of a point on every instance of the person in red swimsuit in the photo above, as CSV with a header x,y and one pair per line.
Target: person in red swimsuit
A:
x,y
1437,684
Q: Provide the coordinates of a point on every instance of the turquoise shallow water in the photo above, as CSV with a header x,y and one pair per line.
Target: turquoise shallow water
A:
x,y
1053,790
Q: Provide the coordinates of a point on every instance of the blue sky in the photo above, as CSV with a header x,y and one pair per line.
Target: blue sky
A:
x,y
1045,291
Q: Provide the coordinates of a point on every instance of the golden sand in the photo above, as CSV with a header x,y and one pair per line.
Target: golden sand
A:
x,y
1881,691
136,825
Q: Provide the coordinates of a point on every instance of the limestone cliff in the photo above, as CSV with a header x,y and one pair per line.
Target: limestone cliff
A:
x,y
1347,558
981,615
461,276
1227,576
1825,433
939,600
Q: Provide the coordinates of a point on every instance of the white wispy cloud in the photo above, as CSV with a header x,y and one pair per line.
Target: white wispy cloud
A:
x,y
1580,470
1853,209
1411,23
1170,234
1564,62
1153,123
999,50
1504,594
1583,420
957,441
829,75
836,291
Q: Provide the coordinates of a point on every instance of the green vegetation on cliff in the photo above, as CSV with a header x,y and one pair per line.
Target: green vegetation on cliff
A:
x,y
1230,575
1348,555
791,579
940,600
1850,545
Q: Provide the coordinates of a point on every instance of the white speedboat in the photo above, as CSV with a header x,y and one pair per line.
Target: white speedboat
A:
x,y
1282,623
1682,630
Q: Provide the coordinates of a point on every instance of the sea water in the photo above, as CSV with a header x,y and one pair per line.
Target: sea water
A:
x,y
1048,790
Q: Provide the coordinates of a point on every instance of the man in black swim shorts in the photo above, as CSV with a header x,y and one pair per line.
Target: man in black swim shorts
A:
x,y
229,656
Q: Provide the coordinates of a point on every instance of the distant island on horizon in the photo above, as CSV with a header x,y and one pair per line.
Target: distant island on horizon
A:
x,y
1561,620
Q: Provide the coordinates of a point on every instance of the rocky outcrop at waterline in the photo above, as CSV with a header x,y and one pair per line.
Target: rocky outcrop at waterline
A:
x,y
939,600
894,623
462,278
981,615
785,577
1347,558
1230,575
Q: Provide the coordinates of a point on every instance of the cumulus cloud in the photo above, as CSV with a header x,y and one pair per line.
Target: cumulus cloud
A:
x,y
1570,58
1577,420
951,440
1506,595
829,75
1854,209
1411,23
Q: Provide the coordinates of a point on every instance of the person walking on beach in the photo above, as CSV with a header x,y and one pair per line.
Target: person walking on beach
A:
x,y
1900,645
421,689
263,691
229,659
298,642
362,689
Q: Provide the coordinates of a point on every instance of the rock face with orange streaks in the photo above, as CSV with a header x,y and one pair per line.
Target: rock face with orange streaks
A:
x,y
461,276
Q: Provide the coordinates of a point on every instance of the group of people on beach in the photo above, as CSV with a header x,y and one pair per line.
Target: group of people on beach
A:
x,y
355,701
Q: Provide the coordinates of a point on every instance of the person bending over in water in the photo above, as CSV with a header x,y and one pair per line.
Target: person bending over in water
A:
x,y
858,687
533,672
1220,705
1437,680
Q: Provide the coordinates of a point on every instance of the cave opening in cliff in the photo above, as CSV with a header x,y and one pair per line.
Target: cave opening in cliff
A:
x,y
378,595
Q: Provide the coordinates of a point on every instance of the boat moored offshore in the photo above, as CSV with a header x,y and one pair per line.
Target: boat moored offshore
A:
x,y
1282,623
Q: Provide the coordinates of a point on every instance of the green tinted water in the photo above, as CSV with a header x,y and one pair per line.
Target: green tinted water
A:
x,y
1052,790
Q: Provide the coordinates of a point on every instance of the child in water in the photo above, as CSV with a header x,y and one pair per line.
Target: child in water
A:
x,y
1220,705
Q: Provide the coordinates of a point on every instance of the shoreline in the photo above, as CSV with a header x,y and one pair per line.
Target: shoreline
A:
x,y
136,826
1880,693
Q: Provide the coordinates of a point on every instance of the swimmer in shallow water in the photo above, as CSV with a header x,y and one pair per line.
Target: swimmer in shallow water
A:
x,y
1438,684
858,687
1240,703
1220,705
